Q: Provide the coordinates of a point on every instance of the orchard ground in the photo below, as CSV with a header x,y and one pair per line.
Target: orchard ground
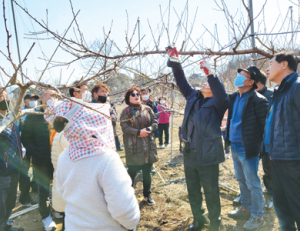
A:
x,y
172,210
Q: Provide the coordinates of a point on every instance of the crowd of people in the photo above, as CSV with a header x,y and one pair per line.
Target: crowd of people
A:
x,y
72,142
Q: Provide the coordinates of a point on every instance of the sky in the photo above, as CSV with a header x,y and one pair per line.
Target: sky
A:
x,y
98,14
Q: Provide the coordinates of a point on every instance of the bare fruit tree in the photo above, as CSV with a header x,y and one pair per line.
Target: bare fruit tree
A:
x,y
106,61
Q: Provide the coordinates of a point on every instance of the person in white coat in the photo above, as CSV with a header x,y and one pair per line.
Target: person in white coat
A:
x,y
58,146
90,175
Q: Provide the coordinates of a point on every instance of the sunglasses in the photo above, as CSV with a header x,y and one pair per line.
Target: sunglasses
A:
x,y
135,94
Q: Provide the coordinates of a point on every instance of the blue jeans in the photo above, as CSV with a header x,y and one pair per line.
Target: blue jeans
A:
x,y
249,182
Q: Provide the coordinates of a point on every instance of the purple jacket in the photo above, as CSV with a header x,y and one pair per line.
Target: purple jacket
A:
x,y
164,117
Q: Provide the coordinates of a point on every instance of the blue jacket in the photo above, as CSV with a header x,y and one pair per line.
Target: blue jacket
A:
x,y
10,150
208,118
285,128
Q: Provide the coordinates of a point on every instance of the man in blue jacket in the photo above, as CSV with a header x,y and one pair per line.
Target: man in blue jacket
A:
x,y
10,164
201,133
245,128
282,139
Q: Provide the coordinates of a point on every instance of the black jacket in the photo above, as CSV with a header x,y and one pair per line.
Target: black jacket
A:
x,y
207,120
266,92
253,121
35,137
285,128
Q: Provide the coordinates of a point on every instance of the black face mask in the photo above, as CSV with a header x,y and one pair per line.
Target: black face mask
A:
x,y
102,99
59,125
3,106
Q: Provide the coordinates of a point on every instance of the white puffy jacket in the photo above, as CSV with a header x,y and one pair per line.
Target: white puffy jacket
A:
x,y
58,146
98,193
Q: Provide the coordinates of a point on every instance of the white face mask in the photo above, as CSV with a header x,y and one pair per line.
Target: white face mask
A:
x,y
162,101
87,96
107,98
145,97
32,104
49,102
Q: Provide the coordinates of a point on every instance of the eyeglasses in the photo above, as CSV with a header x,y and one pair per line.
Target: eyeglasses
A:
x,y
135,94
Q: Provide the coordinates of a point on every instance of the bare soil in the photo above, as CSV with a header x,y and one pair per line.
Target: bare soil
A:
x,y
172,210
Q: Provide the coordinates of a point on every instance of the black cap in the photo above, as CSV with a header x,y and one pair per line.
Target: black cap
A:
x,y
29,96
255,74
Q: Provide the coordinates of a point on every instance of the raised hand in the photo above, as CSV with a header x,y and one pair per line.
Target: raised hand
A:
x,y
206,67
172,51
173,54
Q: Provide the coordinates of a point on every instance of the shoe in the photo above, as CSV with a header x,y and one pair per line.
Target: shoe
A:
x,y
149,200
196,226
166,145
268,204
239,213
237,201
29,203
10,223
120,150
254,223
227,156
58,215
160,146
49,224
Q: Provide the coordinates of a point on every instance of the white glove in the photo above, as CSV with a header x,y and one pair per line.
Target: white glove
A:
x,y
206,68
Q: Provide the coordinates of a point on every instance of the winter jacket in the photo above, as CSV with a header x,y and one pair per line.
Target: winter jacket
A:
x,y
285,128
164,117
139,150
36,139
58,146
10,149
98,193
253,121
207,120
266,92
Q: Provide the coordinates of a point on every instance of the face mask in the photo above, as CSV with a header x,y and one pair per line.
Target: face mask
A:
x,y
145,97
4,105
162,101
49,102
239,80
86,96
32,104
108,98
102,99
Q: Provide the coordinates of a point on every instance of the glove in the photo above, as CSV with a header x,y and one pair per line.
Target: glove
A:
x,y
172,53
206,67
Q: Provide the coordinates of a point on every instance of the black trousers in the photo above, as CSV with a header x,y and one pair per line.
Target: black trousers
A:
x,y
208,178
146,168
44,175
161,129
117,142
8,196
24,181
286,192
267,178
